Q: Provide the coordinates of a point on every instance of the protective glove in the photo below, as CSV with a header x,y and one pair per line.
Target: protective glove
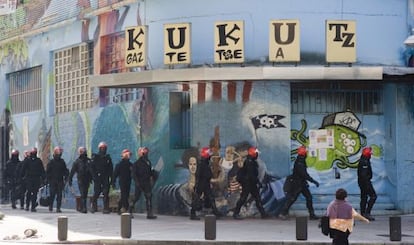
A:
x,y
316,183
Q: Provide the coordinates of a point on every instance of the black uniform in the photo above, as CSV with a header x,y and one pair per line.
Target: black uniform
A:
x,y
123,171
12,178
84,175
202,187
102,169
143,175
21,187
300,178
365,185
57,174
248,177
34,175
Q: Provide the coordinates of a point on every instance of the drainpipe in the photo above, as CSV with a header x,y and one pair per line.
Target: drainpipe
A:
x,y
4,151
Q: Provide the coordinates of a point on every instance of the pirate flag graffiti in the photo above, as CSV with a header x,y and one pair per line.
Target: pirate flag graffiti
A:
x,y
267,121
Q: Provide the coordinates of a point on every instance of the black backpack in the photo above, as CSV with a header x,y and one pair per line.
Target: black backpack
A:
x,y
289,184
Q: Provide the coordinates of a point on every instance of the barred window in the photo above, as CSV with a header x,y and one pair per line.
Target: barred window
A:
x,y
113,61
180,120
25,90
330,97
73,65
113,53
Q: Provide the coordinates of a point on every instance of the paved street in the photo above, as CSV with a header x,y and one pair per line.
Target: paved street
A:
x,y
101,228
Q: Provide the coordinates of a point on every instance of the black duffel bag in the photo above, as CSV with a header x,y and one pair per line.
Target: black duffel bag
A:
x,y
44,197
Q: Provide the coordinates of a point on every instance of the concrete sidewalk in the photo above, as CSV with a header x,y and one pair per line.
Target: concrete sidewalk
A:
x,y
101,228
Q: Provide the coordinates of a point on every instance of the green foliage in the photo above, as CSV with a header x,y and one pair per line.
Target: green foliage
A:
x,y
12,24
15,51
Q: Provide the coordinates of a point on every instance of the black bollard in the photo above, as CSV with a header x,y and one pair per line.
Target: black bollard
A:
x,y
302,228
62,228
210,227
395,228
126,225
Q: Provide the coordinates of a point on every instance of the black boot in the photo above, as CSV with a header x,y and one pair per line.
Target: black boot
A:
x,y
263,213
193,215
131,211
150,214
363,206
236,214
312,216
371,202
119,208
106,209
58,206
14,204
83,208
216,212
94,205
369,217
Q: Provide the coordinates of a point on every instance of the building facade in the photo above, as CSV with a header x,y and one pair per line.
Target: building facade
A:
x,y
175,76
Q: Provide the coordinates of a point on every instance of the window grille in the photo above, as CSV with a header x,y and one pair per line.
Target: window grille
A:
x,y
180,120
365,98
25,90
73,65
113,53
119,95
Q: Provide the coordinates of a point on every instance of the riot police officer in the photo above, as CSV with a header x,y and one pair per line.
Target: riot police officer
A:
x,y
102,169
365,184
12,177
20,183
248,177
202,186
34,176
123,171
82,168
57,174
143,175
301,177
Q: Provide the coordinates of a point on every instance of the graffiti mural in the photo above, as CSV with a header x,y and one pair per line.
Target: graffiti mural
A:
x,y
229,143
347,142
335,166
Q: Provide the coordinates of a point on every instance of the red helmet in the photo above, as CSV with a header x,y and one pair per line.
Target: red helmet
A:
x,y
15,152
143,151
253,152
302,151
33,151
366,152
102,145
57,150
125,152
205,152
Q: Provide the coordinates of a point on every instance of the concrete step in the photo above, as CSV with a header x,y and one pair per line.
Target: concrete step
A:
x,y
383,204
302,212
